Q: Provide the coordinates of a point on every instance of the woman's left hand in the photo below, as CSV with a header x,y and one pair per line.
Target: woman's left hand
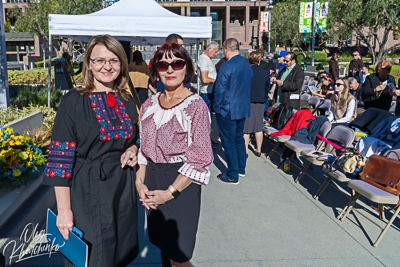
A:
x,y
129,157
157,197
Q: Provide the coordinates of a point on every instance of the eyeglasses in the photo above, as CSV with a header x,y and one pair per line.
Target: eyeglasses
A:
x,y
176,65
102,62
339,84
286,61
386,69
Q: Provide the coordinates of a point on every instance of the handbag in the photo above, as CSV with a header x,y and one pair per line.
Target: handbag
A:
x,y
383,172
349,161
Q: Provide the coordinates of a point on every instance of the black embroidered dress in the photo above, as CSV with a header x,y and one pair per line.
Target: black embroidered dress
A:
x,y
88,140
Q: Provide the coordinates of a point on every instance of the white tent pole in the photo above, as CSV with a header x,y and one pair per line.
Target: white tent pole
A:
x,y
198,72
49,89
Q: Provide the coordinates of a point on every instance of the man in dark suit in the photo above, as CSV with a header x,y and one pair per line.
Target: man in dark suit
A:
x,y
290,81
232,106
271,63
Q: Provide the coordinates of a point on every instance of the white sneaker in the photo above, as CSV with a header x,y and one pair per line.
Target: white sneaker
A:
x,y
242,175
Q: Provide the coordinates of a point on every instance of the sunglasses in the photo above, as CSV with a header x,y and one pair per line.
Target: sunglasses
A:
x,y
339,84
387,69
176,65
286,61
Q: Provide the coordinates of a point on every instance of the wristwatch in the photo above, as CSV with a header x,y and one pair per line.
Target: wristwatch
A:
x,y
175,193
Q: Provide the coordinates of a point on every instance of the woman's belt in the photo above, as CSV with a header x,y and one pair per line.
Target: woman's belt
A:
x,y
97,165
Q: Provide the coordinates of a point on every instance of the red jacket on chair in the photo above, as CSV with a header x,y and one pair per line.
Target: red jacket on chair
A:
x,y
300,119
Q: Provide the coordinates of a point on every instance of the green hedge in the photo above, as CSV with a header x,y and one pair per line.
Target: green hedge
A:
x,y
319,56
26,95
35,76
39,63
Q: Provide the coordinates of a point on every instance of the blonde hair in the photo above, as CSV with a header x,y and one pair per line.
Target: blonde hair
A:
x,y
113,45
345,94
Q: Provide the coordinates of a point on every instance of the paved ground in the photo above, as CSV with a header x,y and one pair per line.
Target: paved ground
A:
x,y
268,220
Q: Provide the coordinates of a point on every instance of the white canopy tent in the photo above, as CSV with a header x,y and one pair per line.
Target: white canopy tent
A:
x,y
142,22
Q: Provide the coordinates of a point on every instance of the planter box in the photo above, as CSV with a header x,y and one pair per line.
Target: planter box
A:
x,y
29,122
13,198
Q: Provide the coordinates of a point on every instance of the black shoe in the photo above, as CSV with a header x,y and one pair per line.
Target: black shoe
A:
x,y
225,178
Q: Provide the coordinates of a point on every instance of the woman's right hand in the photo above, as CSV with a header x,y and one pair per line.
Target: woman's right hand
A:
x,y
142,191
65,222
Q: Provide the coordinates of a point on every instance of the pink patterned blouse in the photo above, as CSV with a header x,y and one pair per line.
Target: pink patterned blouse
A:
x,y
177,134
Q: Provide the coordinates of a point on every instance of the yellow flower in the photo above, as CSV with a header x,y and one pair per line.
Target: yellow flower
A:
x,y
23,155
16,172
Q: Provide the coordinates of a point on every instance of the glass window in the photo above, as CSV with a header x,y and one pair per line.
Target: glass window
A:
x,y
232,20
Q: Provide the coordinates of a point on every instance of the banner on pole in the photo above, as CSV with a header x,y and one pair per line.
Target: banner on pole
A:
x,y
322,16
306,14
264,25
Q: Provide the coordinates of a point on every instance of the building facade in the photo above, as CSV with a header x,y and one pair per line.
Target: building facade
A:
x,y
230,19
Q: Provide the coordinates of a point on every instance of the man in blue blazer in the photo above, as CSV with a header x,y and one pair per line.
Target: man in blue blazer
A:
x,y
232,105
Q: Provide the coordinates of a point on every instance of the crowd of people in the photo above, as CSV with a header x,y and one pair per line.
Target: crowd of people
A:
x,y
110,140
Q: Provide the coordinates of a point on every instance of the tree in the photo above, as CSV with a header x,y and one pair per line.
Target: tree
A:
x,y
285,15
367,19
34,16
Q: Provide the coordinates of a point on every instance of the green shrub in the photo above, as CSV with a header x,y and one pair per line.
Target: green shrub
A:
x,y
319,56
39,63
13,113
25,95
35,76
347,55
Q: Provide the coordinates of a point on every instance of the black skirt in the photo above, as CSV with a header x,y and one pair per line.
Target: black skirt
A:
x,y
173,226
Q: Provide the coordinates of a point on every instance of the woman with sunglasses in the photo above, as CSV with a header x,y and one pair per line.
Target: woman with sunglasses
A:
x,y
92,157
174,157
343,104
376,88
334,67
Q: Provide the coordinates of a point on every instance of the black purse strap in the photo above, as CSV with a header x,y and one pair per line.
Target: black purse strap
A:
x,y
133,93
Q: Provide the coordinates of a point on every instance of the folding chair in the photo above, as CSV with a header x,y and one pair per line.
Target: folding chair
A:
x,y
304,88
325,107
313,83
306,82
305,97
306,77
374,194
393,108
340,134
296,146
270,130
313,101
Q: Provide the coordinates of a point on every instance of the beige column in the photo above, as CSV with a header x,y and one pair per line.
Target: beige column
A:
x,y
227,21
247,24
208,11
188,11
182,10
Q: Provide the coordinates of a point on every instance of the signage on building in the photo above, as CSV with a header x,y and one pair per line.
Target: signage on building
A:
x,y
306,14
264,25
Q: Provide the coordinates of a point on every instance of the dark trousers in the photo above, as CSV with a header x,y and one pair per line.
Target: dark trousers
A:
x,y
233,143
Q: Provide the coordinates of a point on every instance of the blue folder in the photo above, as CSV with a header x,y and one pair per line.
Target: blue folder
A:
x,y
74,249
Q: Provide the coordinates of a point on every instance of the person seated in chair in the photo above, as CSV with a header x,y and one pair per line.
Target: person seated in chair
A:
x,y
327,89
356,89
343,104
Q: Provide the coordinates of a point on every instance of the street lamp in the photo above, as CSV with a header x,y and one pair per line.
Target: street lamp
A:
x,y
270,6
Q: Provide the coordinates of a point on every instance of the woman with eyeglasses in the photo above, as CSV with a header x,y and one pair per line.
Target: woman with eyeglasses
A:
x,y
343,104
376,90
174,157
334,67
92,157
